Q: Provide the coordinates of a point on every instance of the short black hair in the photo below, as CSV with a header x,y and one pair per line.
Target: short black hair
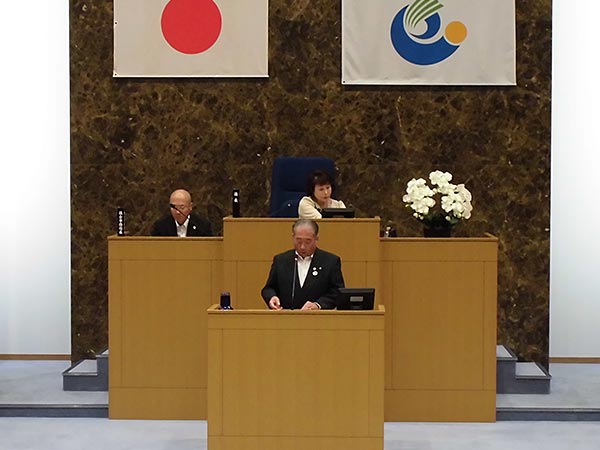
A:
x,y
318,177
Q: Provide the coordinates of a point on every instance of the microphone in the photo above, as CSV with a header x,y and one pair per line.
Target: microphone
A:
x,y
177,209
294,279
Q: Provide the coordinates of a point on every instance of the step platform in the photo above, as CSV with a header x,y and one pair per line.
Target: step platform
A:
x,y
87,374
514,377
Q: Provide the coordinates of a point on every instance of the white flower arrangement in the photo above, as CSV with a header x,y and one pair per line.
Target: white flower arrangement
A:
x,y
454,202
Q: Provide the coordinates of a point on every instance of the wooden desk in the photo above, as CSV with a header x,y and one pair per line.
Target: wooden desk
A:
x,y
286,380
440,297
159,289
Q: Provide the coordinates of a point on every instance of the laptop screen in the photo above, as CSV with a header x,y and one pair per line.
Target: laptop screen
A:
x,y
330,213
358,299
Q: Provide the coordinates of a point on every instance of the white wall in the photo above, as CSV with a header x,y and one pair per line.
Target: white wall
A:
x,y
35,313
575,212
34,180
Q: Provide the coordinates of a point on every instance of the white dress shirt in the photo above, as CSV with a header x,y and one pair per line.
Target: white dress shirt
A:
x,y
182,229
303,267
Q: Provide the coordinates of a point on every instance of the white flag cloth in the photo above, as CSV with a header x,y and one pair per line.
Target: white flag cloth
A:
x,y
447,42
191,38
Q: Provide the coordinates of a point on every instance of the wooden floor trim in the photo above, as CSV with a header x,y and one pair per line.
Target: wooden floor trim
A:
x,y
570,360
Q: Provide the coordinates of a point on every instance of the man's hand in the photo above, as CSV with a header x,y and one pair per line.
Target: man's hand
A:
x,y
274,303
310,305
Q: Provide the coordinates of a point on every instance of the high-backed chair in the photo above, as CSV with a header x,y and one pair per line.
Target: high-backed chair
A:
x,y
288,183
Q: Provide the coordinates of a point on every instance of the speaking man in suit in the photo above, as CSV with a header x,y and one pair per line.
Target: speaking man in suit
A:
x,y
181,222
305,277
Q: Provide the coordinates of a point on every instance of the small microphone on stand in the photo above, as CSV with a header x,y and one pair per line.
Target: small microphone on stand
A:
x,y
184,215
294,279
177,209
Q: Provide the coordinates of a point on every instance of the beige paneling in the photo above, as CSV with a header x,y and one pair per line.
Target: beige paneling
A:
x,y
158,403
158,295
251,243
432,314
434,249
489,324
440,406
152,248
250,278
252,239
290,378
293,443
272,374
440,297
164,308
256,239
385,297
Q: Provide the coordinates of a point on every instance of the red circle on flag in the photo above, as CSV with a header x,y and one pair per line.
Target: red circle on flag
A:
x,y
191,26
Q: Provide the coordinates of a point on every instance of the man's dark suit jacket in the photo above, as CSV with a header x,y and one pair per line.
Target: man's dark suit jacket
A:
x,y
322,282
197,226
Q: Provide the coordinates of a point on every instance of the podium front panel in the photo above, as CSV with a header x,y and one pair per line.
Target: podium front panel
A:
x,y
159,289
440,298
295,380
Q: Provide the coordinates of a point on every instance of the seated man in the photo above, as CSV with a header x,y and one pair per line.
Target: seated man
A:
x,y
181,222
306,277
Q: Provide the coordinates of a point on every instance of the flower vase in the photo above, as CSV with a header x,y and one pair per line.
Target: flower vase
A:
x,y
437,232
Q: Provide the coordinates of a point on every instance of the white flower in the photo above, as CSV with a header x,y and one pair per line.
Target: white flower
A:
x,y
414,184
455,200
464,192
465,198
419,197
422,206
449,202
440,178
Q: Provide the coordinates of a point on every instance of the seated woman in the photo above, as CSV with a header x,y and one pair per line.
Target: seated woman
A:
x,y
318,188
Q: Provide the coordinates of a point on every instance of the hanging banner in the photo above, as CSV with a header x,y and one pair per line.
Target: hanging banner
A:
x,y
454,42
191,38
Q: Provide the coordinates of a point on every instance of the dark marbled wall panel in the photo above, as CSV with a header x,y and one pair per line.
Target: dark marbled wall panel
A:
x,y
133,141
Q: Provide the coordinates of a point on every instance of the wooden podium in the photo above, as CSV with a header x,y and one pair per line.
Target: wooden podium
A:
x,y
283,380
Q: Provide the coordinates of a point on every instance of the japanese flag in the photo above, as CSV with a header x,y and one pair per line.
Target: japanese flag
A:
x,y
190,38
